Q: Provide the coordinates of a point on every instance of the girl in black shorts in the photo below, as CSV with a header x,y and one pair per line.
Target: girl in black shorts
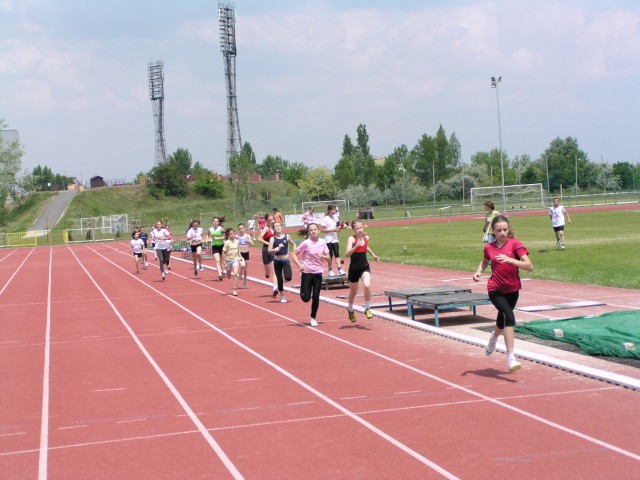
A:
x,y
357,248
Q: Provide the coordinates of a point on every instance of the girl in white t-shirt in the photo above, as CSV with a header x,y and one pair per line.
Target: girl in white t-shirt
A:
x,y
137,246
331,229
195,236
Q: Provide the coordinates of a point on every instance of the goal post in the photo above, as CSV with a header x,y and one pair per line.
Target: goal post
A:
x,y
517,197
320,211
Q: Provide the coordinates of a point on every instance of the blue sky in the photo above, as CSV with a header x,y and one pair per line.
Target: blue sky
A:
x,y
73,78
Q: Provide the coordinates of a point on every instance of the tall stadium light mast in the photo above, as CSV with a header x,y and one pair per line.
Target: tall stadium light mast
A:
x,y
494,84
156,93
227,18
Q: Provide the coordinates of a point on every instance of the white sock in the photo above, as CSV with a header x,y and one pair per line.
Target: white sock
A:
x,y
367,305
350,307
510,356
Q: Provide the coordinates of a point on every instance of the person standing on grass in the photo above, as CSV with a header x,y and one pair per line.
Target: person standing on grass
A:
x,y
277,217
195,235
251,225
307,218
163,247
217,242
331,229
357,248
507,256
557,213
244,239
267,258
312,252
142,235
279,248
492,213
232,258
137,246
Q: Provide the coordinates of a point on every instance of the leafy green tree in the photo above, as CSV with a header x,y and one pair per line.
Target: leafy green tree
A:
x,y
166,180
345,172
272,165
295,172
559,160
365,166
424,158
241,166
181,160
10,165
491,162
318,184
347,147
209,185
627,174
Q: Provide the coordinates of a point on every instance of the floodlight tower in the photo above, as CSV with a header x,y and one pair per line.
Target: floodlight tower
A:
x,y
156,93
227,18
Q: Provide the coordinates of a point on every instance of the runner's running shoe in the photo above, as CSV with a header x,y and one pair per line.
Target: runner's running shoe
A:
x,y
368,314
352,316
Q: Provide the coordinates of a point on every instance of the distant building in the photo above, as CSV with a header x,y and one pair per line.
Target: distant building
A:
x,y
97,181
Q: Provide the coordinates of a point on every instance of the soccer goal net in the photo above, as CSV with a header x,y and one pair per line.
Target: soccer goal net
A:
x,y
517,197
320,210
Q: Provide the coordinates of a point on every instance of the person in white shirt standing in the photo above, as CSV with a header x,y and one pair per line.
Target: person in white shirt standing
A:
x,y
557,213
331,229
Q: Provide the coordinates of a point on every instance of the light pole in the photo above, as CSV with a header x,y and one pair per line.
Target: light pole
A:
x,y
494,84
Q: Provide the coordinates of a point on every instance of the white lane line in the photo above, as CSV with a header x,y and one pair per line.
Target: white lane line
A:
x,y
416,455
183,403
43,457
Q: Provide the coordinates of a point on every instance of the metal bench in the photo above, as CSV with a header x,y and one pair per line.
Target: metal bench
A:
x,y
335,281
414,292
445,302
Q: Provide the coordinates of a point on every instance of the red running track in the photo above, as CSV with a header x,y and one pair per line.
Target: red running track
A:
x,y
108,374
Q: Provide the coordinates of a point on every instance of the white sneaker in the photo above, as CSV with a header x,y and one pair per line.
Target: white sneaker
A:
x,y
283,300
491,346
146,264
513,365
331,274
561,247
341,271
313,322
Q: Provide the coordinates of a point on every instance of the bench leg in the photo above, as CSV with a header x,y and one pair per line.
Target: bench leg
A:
x,y
390,305
410,312
474,310
436,317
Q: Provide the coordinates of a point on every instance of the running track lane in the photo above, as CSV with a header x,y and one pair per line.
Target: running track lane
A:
x,y
428,394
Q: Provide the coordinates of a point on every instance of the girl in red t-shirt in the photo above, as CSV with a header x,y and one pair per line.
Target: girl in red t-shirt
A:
x,y
507,255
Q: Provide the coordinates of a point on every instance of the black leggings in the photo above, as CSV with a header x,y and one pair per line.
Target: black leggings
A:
x,y
505,303
310,285
280,267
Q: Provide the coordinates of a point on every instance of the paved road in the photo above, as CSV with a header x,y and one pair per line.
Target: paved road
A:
x,y
53,213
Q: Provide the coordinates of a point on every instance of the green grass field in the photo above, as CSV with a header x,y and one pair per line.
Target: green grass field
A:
x,y
602,247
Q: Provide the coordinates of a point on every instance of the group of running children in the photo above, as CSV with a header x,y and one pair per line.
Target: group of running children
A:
x,y
231,252
502,251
